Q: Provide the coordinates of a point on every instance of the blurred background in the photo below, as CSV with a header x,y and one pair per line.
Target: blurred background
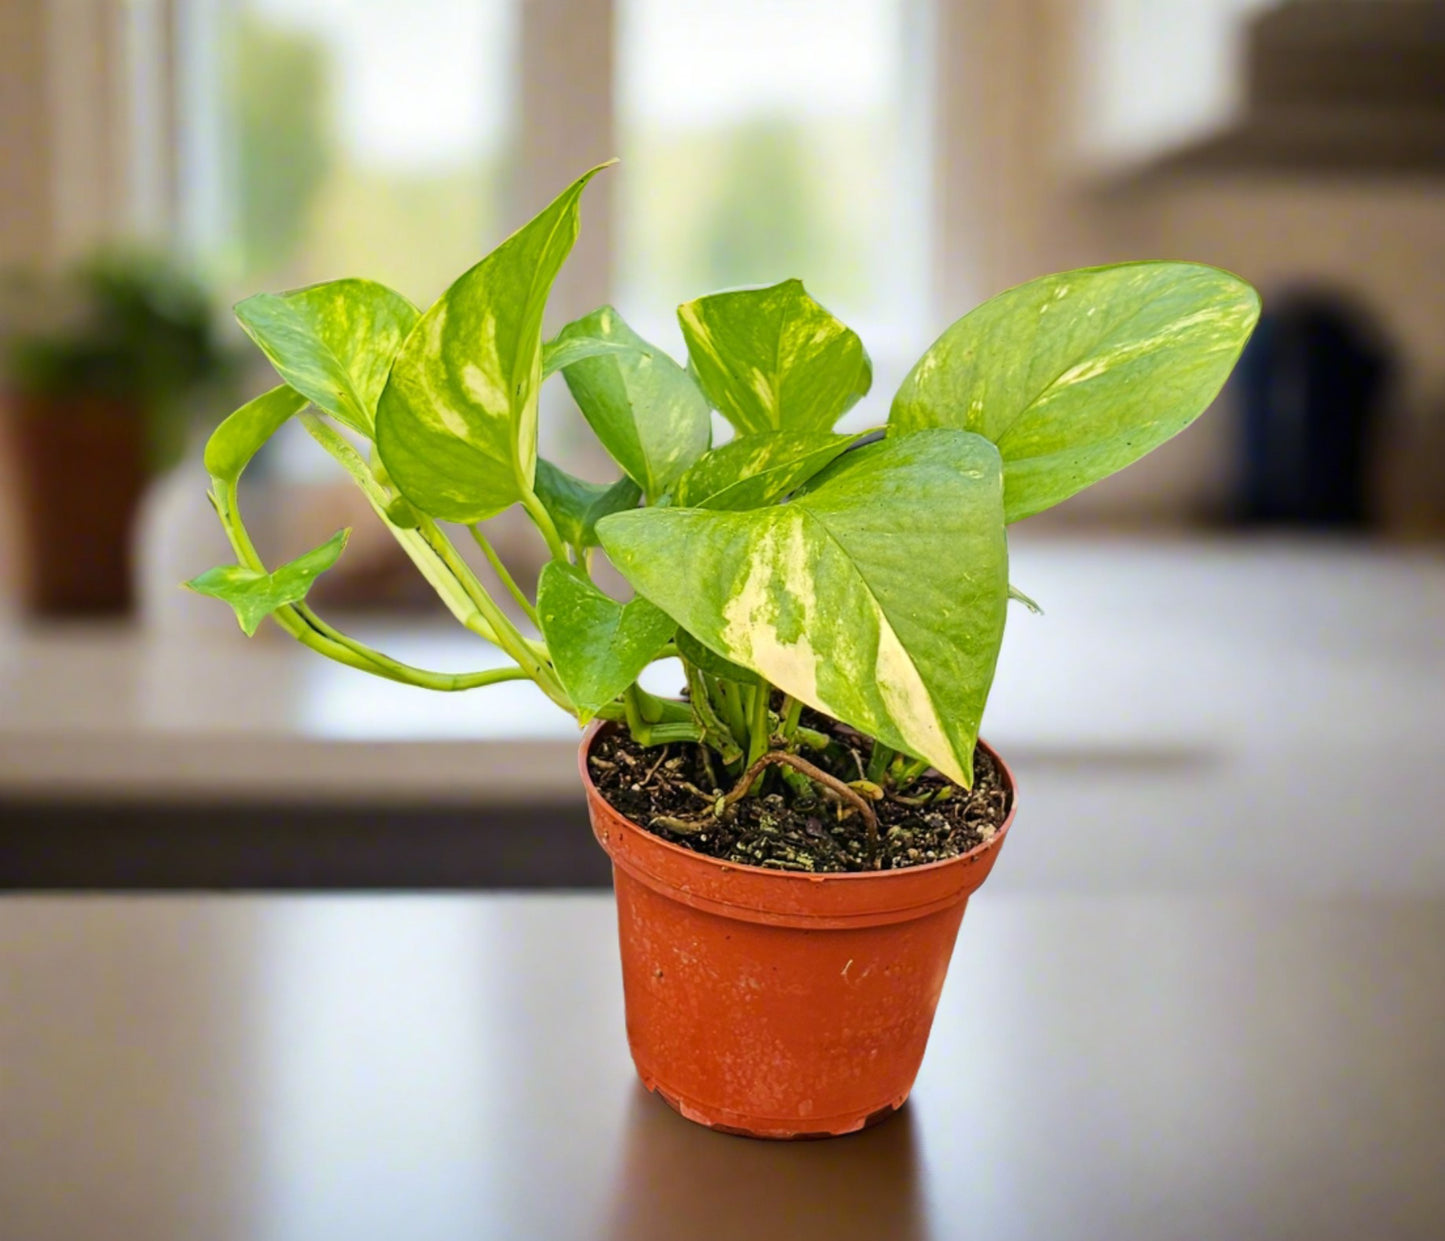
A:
x,y
1244,631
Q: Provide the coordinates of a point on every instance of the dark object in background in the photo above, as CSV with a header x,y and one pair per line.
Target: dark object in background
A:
x,y
104,369
80,471
1311,386
60,845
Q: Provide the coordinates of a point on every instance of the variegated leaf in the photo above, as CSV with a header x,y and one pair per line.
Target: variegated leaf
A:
x,y
576,506
333,342
757,469
644,408
456,426
773,359
240,435
254,595
1077,375
877,595
598,646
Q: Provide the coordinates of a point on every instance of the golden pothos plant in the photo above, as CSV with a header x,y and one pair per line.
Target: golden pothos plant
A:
x,y
865,576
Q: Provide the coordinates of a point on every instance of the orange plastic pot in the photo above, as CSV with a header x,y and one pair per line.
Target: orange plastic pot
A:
x,y
777,1004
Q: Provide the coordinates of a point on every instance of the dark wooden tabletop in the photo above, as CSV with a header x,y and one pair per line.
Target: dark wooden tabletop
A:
x,y
454,1067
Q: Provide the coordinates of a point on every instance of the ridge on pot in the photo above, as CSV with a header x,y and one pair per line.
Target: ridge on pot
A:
x,y
780,1004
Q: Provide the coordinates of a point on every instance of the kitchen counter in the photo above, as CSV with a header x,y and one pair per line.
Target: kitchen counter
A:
x,y
1174,695
1123,1067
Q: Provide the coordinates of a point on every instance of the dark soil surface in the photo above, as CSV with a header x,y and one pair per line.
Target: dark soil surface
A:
x,y
785,829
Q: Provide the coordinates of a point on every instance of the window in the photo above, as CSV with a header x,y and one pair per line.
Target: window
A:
x,y
1158,72
347,137
764,139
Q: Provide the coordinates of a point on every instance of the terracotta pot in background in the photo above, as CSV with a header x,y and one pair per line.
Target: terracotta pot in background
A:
x,y
79,469
778,1004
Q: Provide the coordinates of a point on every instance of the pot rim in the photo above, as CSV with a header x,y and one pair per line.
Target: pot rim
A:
x,y
597,727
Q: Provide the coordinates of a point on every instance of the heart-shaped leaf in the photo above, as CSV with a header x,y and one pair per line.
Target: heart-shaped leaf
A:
x,y
255,595
576,506
877,596
647,411
1077,375
241,434
598,646
333,342
757,469
456,426
773,359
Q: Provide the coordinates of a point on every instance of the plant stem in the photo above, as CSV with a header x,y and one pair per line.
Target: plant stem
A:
x,y
412,542
651,704
493,622
636,725
508,637
537,511
829,783
661,731
731,702
908,770
672,713
394,670
758,732
792,712
811,738
503,575
714,732
310,630
878,762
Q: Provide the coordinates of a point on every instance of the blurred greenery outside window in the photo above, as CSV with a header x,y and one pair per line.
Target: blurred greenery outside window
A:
x,y
764,139
761,139
366,137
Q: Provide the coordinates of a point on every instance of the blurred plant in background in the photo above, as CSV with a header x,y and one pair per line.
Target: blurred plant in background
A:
x,y
106,367
128,328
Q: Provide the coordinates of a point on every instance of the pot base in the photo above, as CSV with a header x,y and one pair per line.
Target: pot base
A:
x,y
750,1127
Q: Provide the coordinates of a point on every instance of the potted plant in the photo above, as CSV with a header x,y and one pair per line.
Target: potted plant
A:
x,y
102,369
795,837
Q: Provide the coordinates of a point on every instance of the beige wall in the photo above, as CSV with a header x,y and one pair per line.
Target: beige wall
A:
x,y
64,109
25,148
1382,240
1006,81
1018,196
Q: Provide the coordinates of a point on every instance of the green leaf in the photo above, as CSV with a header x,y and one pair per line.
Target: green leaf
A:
x,y
241,434
757,469
877,596
1077,375
563,351
254,595
773,359
576,506
647,411
696,653
332,342
456,426
598,646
